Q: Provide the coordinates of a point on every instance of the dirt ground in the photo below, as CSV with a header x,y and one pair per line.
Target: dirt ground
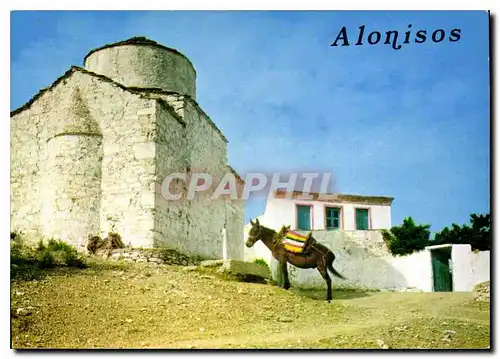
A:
x,y
141,306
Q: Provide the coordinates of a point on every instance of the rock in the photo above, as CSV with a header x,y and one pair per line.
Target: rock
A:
x,y
212,263
190,268
24,311
482,291
238,267
285,319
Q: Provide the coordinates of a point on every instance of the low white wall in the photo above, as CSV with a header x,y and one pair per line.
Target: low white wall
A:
x,y
462,267
416,268
480,267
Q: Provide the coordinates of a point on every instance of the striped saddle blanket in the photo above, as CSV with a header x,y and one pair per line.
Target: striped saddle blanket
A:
x,y
296,242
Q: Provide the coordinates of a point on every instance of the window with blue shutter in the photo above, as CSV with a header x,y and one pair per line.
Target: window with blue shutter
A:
x,y
332,218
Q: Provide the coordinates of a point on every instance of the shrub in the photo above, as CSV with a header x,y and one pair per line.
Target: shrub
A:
x,y
261,262
46,259
407,238
54,253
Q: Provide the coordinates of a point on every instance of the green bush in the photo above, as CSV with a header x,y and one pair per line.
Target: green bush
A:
x,y
261,262
407,238
46,259
54,253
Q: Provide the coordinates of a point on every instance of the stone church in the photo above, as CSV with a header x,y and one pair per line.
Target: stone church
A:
x,y
89,155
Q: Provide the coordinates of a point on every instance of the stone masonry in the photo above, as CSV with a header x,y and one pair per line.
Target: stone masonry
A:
x,y
89,155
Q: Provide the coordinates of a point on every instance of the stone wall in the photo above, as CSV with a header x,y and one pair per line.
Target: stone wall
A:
x,y
72,188
153,256
123,119
172,217
89,155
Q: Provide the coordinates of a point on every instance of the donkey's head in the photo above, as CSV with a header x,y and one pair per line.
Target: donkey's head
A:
x,y
255,233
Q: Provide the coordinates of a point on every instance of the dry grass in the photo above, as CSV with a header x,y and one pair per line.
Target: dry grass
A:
x,y
138,306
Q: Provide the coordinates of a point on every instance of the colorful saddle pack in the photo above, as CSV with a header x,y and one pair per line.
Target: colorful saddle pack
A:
x,y
296,242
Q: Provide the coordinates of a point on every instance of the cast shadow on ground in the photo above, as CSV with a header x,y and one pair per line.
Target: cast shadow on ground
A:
x,y
319,294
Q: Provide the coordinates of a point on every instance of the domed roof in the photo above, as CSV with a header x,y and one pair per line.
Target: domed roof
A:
x,y
142,63
138,41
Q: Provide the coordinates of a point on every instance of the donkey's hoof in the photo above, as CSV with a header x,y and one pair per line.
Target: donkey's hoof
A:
x,y
328,301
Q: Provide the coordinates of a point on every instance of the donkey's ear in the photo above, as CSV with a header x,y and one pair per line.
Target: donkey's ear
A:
x,y
251,222
257,222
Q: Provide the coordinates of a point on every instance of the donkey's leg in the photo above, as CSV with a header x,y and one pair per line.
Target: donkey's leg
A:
x,y
284,269
324,273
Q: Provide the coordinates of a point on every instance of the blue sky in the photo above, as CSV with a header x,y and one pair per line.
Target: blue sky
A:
x,y
412,123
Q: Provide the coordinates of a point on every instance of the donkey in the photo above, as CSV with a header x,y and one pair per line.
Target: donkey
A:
x,y
318,256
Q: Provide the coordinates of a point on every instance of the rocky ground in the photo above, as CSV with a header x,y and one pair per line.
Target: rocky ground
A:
x,y
141,305
482,291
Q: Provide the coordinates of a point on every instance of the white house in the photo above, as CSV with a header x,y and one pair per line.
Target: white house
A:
x,y
327,211
350,226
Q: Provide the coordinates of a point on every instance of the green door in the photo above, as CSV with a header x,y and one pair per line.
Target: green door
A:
x,y
361,219
304,218
441,270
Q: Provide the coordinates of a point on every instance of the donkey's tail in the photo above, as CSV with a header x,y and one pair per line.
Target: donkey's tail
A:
x,y
334,272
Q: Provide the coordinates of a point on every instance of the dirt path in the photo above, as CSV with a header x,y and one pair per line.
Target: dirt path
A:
x,y
168,307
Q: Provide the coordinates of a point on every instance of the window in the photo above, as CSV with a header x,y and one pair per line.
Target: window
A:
x,y
361,219
332,218
303,218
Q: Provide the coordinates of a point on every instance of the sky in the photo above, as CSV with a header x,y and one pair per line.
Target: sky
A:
x,y
413,123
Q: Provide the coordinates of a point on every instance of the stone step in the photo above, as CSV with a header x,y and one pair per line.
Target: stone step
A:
x,y
237,267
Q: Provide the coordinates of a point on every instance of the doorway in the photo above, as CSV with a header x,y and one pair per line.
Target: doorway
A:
x,y
441,269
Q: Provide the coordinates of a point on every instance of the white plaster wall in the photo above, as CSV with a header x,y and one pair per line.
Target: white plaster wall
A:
x,y
380,217
469,268
281,211
462,267
416,269
480,267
